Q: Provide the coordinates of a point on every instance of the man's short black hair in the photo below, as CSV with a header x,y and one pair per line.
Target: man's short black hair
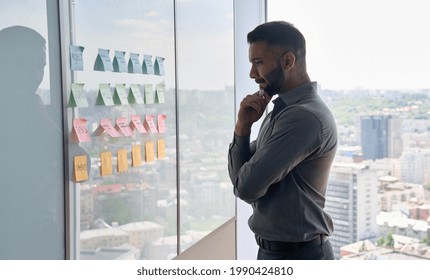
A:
x,y
280,34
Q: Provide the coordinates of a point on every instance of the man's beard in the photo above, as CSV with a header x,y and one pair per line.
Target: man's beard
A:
x,y
274,79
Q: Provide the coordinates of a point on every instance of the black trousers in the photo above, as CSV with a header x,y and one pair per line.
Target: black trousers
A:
x,y
318,252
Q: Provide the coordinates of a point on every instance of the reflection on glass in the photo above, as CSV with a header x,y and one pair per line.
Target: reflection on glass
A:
x,y
206,115
31,192
130,214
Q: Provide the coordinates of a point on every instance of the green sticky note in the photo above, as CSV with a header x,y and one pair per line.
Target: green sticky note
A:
x,y
104,96
134,95
119,63
159,93
149,94
120,95
159,66
147,66
77,96
103,62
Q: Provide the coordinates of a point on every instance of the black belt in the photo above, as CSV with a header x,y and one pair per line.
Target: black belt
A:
x,y
284,246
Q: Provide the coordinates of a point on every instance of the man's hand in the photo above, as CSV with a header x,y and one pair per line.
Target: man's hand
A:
x,y
251,109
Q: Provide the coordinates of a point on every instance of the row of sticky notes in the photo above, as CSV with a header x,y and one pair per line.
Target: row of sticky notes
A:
x,y
120,95
119,64
122,127
80,168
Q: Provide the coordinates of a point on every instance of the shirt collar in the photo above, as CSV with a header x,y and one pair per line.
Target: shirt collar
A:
x,y
294,95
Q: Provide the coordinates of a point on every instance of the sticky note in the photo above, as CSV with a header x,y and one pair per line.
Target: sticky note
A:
x,y
76,58
103,62
122,164
161,149
136,155
79,131
136,124
159,93
161,123
104,96
149,94
106,126
134,95
77,96
122,125
134,64
119,64
147,66
150,124
159,66
149,151
120,95
105,163
80,168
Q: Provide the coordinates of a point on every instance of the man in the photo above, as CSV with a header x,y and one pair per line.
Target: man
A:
x,y
284,173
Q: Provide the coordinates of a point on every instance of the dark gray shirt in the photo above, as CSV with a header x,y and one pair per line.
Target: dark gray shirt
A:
x,y
284,173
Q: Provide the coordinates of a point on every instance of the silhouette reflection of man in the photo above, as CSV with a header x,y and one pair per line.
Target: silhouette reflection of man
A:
x,y
31,174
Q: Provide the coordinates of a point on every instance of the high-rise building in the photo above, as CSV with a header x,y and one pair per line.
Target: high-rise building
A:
x,y
352,203
380,136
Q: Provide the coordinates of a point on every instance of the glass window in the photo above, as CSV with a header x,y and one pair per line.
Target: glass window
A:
x,y
205,55
32,177
128,204
373,73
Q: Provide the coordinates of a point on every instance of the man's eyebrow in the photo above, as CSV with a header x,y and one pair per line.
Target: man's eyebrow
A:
x,y
255,58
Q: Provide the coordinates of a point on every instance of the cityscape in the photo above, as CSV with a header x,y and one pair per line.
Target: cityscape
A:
x,y
378,193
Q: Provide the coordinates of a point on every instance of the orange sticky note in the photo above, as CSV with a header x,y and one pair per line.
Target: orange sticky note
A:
x,y
161,149
150,124
122,165
80,132
122,125
136,155
80,168
161,123
106,163
136,124
149,151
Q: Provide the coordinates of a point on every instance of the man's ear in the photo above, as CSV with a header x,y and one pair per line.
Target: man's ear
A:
x,y
289,60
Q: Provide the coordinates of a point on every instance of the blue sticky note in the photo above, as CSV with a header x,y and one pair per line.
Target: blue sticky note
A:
x,y
134,64
76,58
147,66
103,62
159,66
119,63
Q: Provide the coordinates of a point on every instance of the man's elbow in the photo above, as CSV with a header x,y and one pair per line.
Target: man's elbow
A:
x,y
245,195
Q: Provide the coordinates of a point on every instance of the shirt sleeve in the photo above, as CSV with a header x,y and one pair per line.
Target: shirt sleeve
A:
x,y
240,151
294,137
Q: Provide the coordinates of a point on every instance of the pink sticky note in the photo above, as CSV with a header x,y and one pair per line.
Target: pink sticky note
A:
x,y
150,124
106,124
161,123
136,123
122,125
80,132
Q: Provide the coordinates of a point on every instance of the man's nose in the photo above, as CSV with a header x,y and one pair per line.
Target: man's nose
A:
x,y
253,73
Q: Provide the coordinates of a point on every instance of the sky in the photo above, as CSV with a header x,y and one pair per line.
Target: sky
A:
x,y
373,44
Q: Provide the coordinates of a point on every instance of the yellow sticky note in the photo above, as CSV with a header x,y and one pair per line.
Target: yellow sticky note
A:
x,y
136,155
149,151
106,163
80,167
122,160
161,149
